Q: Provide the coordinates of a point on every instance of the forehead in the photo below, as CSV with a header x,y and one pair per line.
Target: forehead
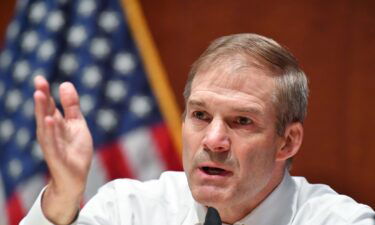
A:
x,y
232,76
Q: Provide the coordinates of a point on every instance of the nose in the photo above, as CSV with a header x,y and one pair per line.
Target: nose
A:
x,y
216,137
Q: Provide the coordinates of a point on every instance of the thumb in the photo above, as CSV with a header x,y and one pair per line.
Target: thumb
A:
x,y
70,101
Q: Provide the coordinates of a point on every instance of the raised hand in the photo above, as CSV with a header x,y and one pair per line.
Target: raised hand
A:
x,y
67,147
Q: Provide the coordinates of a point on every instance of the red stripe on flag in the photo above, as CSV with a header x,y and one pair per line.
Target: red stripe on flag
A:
x,y
114,162
165,146
14,209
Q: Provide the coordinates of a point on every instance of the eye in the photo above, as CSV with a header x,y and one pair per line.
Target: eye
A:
x,y
243,120
200,115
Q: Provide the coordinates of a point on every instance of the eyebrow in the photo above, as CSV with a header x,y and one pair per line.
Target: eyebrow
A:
x,y
196,103
251,110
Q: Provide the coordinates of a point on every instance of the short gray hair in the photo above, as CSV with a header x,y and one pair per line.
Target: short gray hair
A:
x,y
291,97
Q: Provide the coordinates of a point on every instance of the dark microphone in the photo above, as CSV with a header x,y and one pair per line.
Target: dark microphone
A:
x,y
212,217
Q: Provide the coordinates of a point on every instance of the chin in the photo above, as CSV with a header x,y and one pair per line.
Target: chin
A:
x,y
209,195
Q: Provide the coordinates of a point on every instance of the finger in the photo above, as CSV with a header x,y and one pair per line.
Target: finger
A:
x,y
48,142
42,85
58,116
51,107
40,108
70,101
53,154
59,124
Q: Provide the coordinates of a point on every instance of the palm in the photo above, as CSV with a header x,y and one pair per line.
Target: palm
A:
x,y
75,148
65,140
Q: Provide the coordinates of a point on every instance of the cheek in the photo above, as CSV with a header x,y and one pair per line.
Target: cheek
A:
x,y
190,137
188,147
256,156
192,144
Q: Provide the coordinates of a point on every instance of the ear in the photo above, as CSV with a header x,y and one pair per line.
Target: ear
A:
x,y
292,141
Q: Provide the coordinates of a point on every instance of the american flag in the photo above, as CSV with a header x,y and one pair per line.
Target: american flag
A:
x,y
90,43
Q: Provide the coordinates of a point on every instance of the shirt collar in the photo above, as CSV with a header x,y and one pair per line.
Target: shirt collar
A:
x,y
277,208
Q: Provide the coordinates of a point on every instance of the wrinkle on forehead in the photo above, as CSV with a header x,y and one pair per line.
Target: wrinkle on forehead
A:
x,y
233,63
231,73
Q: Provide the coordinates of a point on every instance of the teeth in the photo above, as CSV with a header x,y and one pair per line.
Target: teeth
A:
x,y
213,170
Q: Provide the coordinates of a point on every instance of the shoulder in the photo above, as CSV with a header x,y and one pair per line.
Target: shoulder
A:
x,y
167,180
319,202
170,187
124,200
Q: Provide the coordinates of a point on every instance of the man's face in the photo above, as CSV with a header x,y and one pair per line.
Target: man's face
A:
x,y
229,136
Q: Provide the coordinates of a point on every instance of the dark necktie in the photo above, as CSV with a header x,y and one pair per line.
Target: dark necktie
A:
x,y
212,217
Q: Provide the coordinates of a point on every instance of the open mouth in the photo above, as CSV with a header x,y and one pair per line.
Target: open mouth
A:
x,y
214,171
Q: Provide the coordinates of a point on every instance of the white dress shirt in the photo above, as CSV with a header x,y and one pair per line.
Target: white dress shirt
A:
x,y
168,201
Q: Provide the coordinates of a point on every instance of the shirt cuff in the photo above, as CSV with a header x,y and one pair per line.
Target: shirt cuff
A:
x,y
36,217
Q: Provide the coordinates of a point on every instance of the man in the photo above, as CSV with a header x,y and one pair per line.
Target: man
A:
x,y
246,100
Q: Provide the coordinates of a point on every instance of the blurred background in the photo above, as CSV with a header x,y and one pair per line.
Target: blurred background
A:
x,y
334,42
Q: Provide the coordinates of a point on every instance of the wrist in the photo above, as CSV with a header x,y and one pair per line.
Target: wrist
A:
x,y
61,208
65,192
